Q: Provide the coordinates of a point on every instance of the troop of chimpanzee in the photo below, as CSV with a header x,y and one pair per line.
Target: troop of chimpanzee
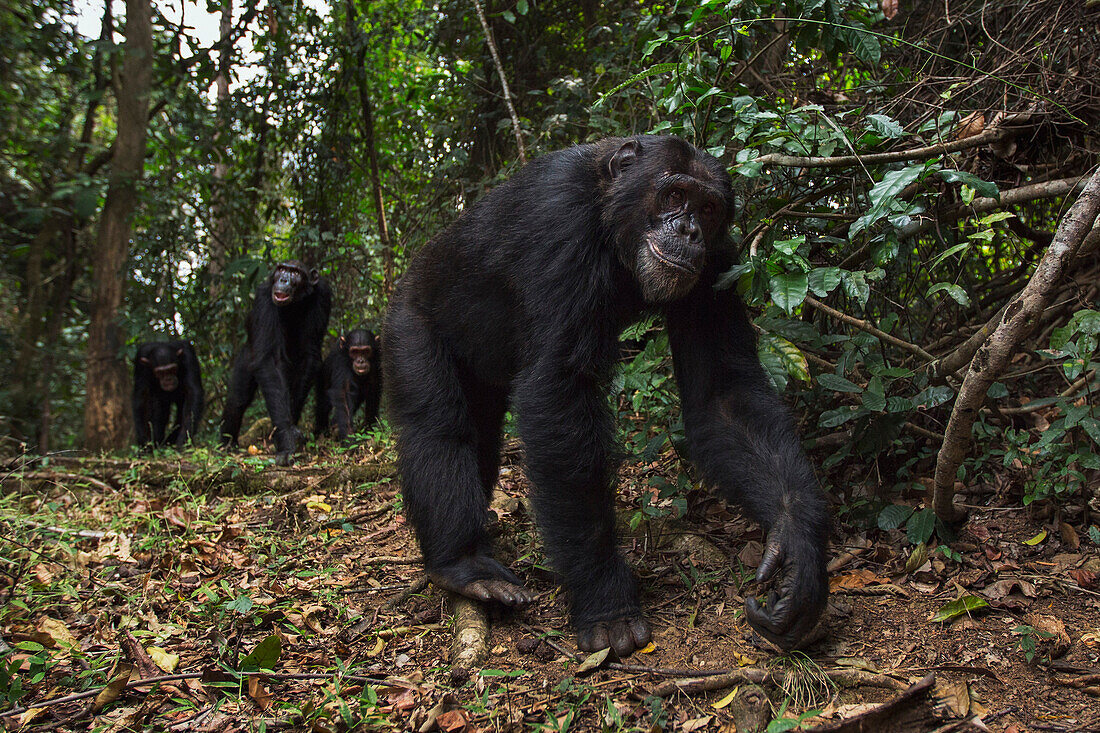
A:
x,y
166,373
520,303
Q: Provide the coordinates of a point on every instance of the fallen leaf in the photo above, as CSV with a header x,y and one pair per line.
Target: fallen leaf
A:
x,y
451,720
379,645
259,693
114,688
1037,538
957,607
1069,536
57,633
166,661
695,724
595,659
648,648
727,699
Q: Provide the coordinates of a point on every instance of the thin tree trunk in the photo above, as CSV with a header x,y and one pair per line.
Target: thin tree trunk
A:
x,y
223,226
1019,318
106,419
503,81
372,152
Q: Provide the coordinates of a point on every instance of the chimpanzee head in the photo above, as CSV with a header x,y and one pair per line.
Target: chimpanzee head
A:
x,y
361,346
291,281
163,361
668,205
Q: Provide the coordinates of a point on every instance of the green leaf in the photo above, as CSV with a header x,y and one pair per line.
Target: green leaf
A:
x,y
240,604
838,383
788,289
823,280
884,196
264,656
955,291
790,356
920,526
884,126
521,7
958,607
839,416
892,517
855,285
982,188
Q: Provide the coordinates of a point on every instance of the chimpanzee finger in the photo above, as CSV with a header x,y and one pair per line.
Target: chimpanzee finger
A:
x,y
772,559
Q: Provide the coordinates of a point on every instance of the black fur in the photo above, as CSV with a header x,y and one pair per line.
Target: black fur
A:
x,y
157,387
282,354
521,301
342,387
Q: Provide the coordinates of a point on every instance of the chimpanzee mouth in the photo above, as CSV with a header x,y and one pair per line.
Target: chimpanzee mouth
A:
x,y
280,297
680,264
361,371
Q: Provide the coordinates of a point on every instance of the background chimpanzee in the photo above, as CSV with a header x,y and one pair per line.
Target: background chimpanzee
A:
x,y
282,354
166,373
351,377
524,297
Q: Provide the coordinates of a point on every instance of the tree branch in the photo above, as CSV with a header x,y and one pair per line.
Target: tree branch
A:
x,y
503,81
866,326
1018,319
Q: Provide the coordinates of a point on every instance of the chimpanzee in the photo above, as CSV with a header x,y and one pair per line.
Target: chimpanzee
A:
x,y
521,301
166,373
282,354
351,377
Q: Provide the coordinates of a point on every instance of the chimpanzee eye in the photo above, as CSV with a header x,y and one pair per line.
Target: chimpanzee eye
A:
x,y
675,199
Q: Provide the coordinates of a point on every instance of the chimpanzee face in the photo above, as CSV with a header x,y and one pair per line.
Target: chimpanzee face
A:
x,y
671,205
360,359
165,367
291,281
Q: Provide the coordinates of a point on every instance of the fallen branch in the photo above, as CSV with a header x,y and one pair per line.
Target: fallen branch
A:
x,y
470,645
757,676
1019,318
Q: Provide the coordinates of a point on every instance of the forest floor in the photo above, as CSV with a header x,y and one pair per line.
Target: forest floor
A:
x,y
114,571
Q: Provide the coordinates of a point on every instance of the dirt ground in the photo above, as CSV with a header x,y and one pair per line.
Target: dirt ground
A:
x,y
98,573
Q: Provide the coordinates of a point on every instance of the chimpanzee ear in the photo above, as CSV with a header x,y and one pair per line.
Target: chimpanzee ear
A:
x,y
314,276
179,352
343,343
623,158
146,361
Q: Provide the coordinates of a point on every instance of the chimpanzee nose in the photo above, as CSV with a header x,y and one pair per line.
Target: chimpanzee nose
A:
x,y
688,228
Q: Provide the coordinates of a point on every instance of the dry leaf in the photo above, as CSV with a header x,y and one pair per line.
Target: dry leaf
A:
x,y
451,720
166,661
259,693
114,688
889,8
57,634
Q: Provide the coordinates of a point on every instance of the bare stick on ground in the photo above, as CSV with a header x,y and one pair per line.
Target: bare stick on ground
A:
x,y
470,645
1019,318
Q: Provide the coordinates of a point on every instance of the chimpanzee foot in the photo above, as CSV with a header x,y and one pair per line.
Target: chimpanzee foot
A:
x,y
624,635
283,459
484,579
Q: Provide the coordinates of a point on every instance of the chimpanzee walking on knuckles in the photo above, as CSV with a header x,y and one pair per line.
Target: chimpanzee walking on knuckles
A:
x,y
166,374
351,377
521,301
282,354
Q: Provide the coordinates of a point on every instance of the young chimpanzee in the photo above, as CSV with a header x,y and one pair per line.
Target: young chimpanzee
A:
x,y
522,299
282,354
351,377
166,373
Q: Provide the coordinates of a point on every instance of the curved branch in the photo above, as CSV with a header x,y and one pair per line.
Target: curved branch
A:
x,y
992,134
503,81
866,326
1019,318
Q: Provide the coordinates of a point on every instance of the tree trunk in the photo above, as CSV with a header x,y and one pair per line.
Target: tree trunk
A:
x,y
223,227
106,419
367,111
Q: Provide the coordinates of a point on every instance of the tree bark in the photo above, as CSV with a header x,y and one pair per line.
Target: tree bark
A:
x,y
223,225
1019,318
106,419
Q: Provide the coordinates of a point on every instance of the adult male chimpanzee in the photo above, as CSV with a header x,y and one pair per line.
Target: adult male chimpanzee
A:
x,y
166,373
350,377
282,354
523,299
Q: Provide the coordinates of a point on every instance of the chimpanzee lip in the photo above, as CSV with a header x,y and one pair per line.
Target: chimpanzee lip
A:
x,y
361,372
280,296
676,262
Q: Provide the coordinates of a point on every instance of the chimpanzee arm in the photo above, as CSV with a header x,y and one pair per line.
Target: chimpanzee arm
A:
x,y
193,398
741,436
140,400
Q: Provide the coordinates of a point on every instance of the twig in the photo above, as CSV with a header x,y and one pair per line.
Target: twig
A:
x,y
1068,392
992,134
866,326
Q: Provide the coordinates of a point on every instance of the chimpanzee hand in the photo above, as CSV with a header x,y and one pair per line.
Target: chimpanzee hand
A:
x,y
800,585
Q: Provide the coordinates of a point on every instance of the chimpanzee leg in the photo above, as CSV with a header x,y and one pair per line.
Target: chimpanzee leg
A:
x,y
322,408
568,433
343,399
143,419
488,416
162,411
242,389
441,480
275,388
